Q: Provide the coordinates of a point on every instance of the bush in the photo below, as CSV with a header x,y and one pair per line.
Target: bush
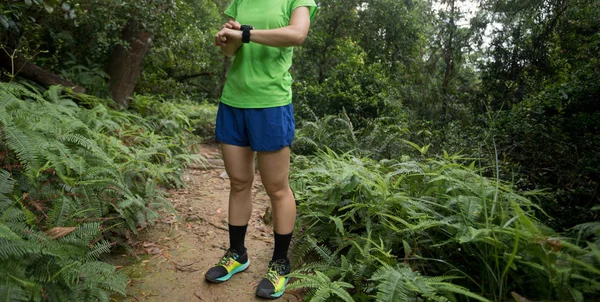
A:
x,y
384,137
430,229
87,174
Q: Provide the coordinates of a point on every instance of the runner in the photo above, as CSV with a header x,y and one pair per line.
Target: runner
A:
x,y
256,116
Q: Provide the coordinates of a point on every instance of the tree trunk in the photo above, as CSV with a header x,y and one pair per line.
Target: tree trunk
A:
x,y
125,64
20,66
219,87
448,60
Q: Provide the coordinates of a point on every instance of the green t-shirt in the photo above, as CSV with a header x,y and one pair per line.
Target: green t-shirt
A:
x,y
259,76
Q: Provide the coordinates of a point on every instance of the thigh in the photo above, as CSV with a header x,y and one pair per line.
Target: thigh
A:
x,y
274,168
239,163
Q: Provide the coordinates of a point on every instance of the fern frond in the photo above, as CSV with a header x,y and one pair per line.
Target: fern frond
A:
x,y
6,183
12,292
61,212
17,249
98,249
24,146
448,287
83,234
8,234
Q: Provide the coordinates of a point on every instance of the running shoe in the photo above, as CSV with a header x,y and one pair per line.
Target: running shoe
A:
x,y
273,285
231,264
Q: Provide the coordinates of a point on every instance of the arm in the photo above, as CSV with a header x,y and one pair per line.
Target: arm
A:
x,y
292,35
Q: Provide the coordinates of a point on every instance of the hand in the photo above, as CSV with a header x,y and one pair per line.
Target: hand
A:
x,y
232,24
227,36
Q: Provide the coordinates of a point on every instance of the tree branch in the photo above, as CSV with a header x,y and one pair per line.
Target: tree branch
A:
x,y
191,76
21,66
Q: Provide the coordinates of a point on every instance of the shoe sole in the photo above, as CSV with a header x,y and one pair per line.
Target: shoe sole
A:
x,y
274,296
238,269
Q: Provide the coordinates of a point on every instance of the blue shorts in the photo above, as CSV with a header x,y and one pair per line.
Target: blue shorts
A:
x,y
264,130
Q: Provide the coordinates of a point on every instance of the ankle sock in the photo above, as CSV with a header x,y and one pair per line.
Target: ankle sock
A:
x,y
282,244
237,235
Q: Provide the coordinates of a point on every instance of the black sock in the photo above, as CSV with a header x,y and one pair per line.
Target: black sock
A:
x,y
282,244
237,234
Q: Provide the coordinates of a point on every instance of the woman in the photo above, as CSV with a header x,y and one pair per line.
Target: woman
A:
x,y
256,116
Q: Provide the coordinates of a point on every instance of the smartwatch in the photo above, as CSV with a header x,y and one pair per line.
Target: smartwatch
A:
x,y
246,33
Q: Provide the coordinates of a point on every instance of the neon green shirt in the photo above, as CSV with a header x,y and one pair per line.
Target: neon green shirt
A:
x,y
259,76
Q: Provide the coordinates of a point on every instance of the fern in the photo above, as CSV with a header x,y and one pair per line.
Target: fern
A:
x,y
61,212
325,289
400,283
436,215
14,249
74,165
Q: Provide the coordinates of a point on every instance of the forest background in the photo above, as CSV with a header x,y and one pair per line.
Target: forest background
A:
x,y
446,150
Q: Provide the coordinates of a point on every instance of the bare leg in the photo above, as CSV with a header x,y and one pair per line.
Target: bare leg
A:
x,y
239,164
274,168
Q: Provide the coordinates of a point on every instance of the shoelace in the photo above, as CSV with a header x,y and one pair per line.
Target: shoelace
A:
x,y
276,268
228,255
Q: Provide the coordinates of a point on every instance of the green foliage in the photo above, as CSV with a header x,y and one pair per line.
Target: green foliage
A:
x,y
360,89
13,14
91,75
438,217
183,63
552,133
177,118
383,137
76,38
401,283
395,44
325,289
36,267
64,166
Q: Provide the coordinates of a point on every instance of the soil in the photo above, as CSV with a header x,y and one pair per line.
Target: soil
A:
x,y
170,259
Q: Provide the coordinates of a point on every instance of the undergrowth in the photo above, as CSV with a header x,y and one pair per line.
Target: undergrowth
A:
x,y
430,229
77,177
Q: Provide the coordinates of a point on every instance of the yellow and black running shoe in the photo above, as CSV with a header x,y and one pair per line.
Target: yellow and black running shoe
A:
x,y
230,264
273,285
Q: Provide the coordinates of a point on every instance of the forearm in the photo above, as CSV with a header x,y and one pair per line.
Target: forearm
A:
x,y
291,35
279,37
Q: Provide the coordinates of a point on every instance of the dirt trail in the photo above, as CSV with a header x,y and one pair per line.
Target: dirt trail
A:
x,y
175,254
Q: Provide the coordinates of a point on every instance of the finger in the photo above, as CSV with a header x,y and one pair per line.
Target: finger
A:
x,y
234,24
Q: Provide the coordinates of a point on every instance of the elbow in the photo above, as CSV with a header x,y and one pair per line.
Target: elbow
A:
x,y
298,37
299,40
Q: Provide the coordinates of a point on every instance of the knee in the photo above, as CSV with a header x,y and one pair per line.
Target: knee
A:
x,y
241,184
278,192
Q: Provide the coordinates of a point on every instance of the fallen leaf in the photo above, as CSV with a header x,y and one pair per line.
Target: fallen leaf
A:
x,y
519,298
148,244
59,232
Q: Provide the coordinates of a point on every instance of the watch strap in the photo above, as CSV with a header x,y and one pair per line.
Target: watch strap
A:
x,y
246,33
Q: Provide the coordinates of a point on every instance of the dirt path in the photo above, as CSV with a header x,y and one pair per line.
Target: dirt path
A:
x,y
175,254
